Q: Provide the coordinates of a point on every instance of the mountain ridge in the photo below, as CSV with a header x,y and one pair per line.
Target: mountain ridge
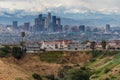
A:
x,y
92,20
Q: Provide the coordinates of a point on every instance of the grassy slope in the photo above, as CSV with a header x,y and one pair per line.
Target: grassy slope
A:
x,y
52,56
107,62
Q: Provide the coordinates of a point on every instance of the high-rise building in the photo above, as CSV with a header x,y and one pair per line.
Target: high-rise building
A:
x,y
26,26
49,16
15,24
46,24
39,23
54,23
43,24
49,23
107,27
82,28
58,24
40,17
58,21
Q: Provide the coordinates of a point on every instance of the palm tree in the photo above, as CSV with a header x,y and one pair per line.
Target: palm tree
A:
x,y
92,45
22,35
103,43
22,42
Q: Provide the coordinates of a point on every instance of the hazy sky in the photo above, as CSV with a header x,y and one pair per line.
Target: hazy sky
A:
x,y
60,6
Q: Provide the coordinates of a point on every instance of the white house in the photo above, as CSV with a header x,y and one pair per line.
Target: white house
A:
x,y
55,45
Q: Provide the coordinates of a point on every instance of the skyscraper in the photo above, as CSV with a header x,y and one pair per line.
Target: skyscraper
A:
x,y
107,27
15,24
54,23
40,17
39,23
82,28
49,21
26,26
46,24
58,24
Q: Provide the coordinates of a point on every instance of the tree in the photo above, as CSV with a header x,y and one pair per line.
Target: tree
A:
x,y
103,43
92,45
17,52
22,43
22,35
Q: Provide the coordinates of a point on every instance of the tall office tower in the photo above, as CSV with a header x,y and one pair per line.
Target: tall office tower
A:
x,y
43,24
37,24
40,16
107,27
26,26
49,17
58,21
82,28
41,19
49,21
15,24
54,23
46,24
58,24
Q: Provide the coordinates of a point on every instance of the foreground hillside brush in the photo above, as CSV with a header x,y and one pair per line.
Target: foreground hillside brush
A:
x,y
17,52
61,65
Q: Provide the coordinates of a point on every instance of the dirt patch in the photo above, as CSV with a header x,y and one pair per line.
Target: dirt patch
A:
x,y
75,58
12,72
32,64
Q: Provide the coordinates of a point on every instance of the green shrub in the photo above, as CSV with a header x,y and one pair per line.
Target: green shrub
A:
x,y
36,76
96,53
17,52
92,60
79,74
3,54
4,51
107,70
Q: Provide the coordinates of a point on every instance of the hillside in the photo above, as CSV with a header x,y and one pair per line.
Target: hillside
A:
x,y
106,65
43,64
